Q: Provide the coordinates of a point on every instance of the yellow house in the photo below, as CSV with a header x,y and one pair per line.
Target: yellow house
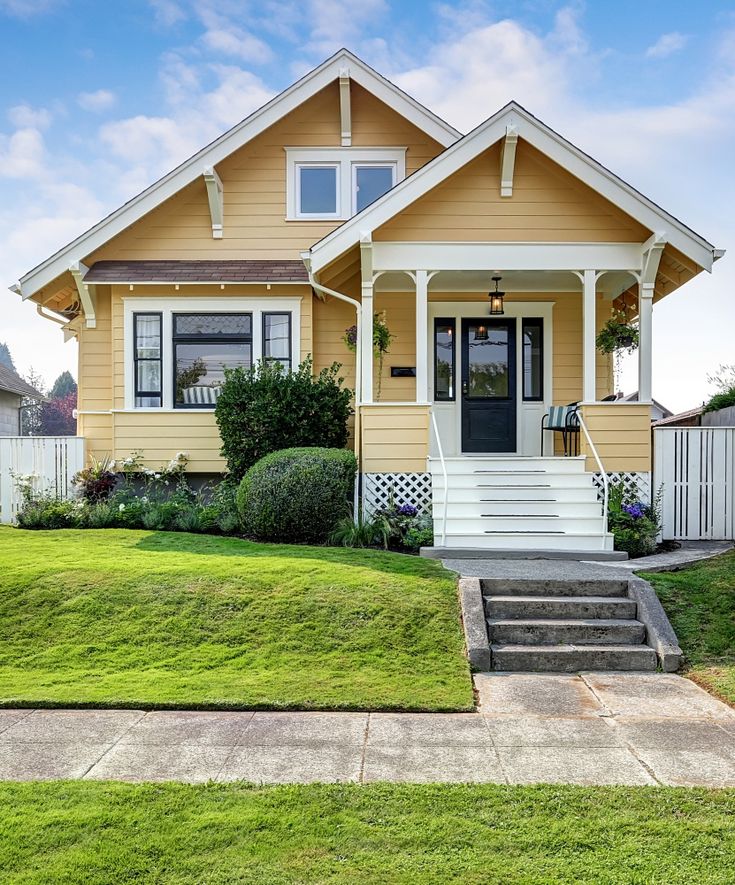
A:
x,y
343,200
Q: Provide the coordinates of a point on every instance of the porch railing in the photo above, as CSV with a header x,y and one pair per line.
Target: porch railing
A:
x,y
603,474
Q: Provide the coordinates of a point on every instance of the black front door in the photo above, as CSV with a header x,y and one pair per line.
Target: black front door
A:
x,y
488,385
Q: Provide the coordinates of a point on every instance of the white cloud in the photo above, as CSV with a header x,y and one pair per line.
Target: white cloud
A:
x,y
236,42
27,8
168,12
666,45
22,154
334,23
97,101
24,116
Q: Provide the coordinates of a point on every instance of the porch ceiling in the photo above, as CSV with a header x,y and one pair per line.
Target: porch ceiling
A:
x,y
610,284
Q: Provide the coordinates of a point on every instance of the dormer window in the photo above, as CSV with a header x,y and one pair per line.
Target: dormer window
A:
x,y
336,183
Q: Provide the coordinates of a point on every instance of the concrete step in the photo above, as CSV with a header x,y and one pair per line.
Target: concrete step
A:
x,y
538,542
561,607
579,631
543,588
572,658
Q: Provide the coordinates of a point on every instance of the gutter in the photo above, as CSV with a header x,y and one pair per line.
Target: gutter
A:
x,y
325,290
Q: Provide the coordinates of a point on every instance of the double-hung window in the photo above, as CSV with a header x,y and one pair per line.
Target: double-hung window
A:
x,y
204,345
336,183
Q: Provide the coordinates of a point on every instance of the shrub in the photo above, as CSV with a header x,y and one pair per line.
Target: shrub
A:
x,y
634,524
96,482
363,533
265,409
297,495
420,534
48,512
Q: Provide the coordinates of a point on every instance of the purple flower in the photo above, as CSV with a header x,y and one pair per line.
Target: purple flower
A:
x,y
351,336
407,510
636,511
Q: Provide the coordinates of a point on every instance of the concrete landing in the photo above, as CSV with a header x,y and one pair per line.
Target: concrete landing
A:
x,y
593,728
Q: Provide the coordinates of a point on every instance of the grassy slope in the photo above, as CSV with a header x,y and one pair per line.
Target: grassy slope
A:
x,y
154,618
106,832
700,603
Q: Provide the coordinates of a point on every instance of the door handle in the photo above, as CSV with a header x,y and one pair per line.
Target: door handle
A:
x,y
465,388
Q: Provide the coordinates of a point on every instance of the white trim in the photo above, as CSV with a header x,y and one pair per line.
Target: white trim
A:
x,y
169,306
589,332
344,160
79,271
506,256
232,140
345,107
215,196
527,411
550,143
508,161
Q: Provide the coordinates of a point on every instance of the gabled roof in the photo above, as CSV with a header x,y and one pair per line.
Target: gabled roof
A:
x,y
11,382
229,142
551,144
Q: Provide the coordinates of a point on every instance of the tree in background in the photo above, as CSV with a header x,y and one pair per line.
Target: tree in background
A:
x,y
63,386
57,413
31,407
5,358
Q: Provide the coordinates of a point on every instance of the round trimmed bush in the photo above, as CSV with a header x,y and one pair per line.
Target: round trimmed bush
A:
x,y
297,495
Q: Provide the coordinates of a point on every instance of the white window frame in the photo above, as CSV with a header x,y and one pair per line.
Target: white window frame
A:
x,y
169,306
345,159
337,186
366,164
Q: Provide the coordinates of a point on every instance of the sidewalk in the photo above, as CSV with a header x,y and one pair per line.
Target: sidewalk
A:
x,y
595,728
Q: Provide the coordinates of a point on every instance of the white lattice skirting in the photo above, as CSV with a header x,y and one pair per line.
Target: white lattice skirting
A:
x,y
637,485
403,488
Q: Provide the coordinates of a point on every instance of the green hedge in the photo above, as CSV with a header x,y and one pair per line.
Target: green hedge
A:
x,y
297,495
265,409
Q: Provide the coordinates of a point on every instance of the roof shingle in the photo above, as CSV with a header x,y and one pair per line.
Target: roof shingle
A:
x,y
245,271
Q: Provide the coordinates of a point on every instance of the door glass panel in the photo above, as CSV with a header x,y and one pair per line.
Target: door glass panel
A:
x,y
533,359
444,359
487,360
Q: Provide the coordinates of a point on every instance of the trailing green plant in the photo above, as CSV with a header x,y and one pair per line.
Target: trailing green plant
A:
x,y
617,335
265,409
365,532
634,524
382,338
297,495
96,482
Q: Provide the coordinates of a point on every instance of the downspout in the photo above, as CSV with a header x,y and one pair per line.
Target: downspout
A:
x,y
47,316
325,290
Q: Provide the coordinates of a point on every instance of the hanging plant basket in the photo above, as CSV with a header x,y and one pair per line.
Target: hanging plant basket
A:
x,y
617,335
382,338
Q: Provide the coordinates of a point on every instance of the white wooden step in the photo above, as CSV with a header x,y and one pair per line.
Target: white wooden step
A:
x,y
537,541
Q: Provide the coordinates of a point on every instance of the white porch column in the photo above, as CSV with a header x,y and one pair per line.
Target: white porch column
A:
x,y
589,325
645,348
422,324
366,343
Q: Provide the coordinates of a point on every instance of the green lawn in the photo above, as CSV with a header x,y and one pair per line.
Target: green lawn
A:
x,y
156,619
77,832
700,603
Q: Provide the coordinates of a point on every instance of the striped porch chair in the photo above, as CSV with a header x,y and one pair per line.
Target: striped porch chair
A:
x,y
564,420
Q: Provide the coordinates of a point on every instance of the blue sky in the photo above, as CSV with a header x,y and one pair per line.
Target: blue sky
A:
x,y
97,100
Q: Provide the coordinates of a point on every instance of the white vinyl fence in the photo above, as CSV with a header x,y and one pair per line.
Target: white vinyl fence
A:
x,y
49,463
696,467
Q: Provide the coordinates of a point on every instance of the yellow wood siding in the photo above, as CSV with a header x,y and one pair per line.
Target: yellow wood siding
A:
x,y
621,433
394,438
159,435
254,180
96,379
548,205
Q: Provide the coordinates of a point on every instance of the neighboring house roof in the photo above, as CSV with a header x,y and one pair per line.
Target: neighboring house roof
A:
x,y
229,142
11,382
544,139
197,272
633,398
680,417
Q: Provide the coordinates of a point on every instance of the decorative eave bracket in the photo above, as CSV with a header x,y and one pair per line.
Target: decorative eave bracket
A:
x,y
215,195
86,293
508,160
345,110
652,251
366,259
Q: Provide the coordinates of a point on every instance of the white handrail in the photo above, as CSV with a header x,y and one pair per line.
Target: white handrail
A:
x,y
605,481
446,479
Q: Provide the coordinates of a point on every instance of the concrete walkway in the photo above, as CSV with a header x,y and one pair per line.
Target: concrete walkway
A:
x,y
595,728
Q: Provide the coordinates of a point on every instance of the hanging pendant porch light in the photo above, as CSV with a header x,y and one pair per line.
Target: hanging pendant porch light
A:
x,y
496,300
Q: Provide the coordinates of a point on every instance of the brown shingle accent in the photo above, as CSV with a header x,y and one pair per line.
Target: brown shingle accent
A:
x,y
245,271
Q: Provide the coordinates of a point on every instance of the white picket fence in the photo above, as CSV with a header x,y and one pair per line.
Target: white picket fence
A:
x,y
49,461
696,467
